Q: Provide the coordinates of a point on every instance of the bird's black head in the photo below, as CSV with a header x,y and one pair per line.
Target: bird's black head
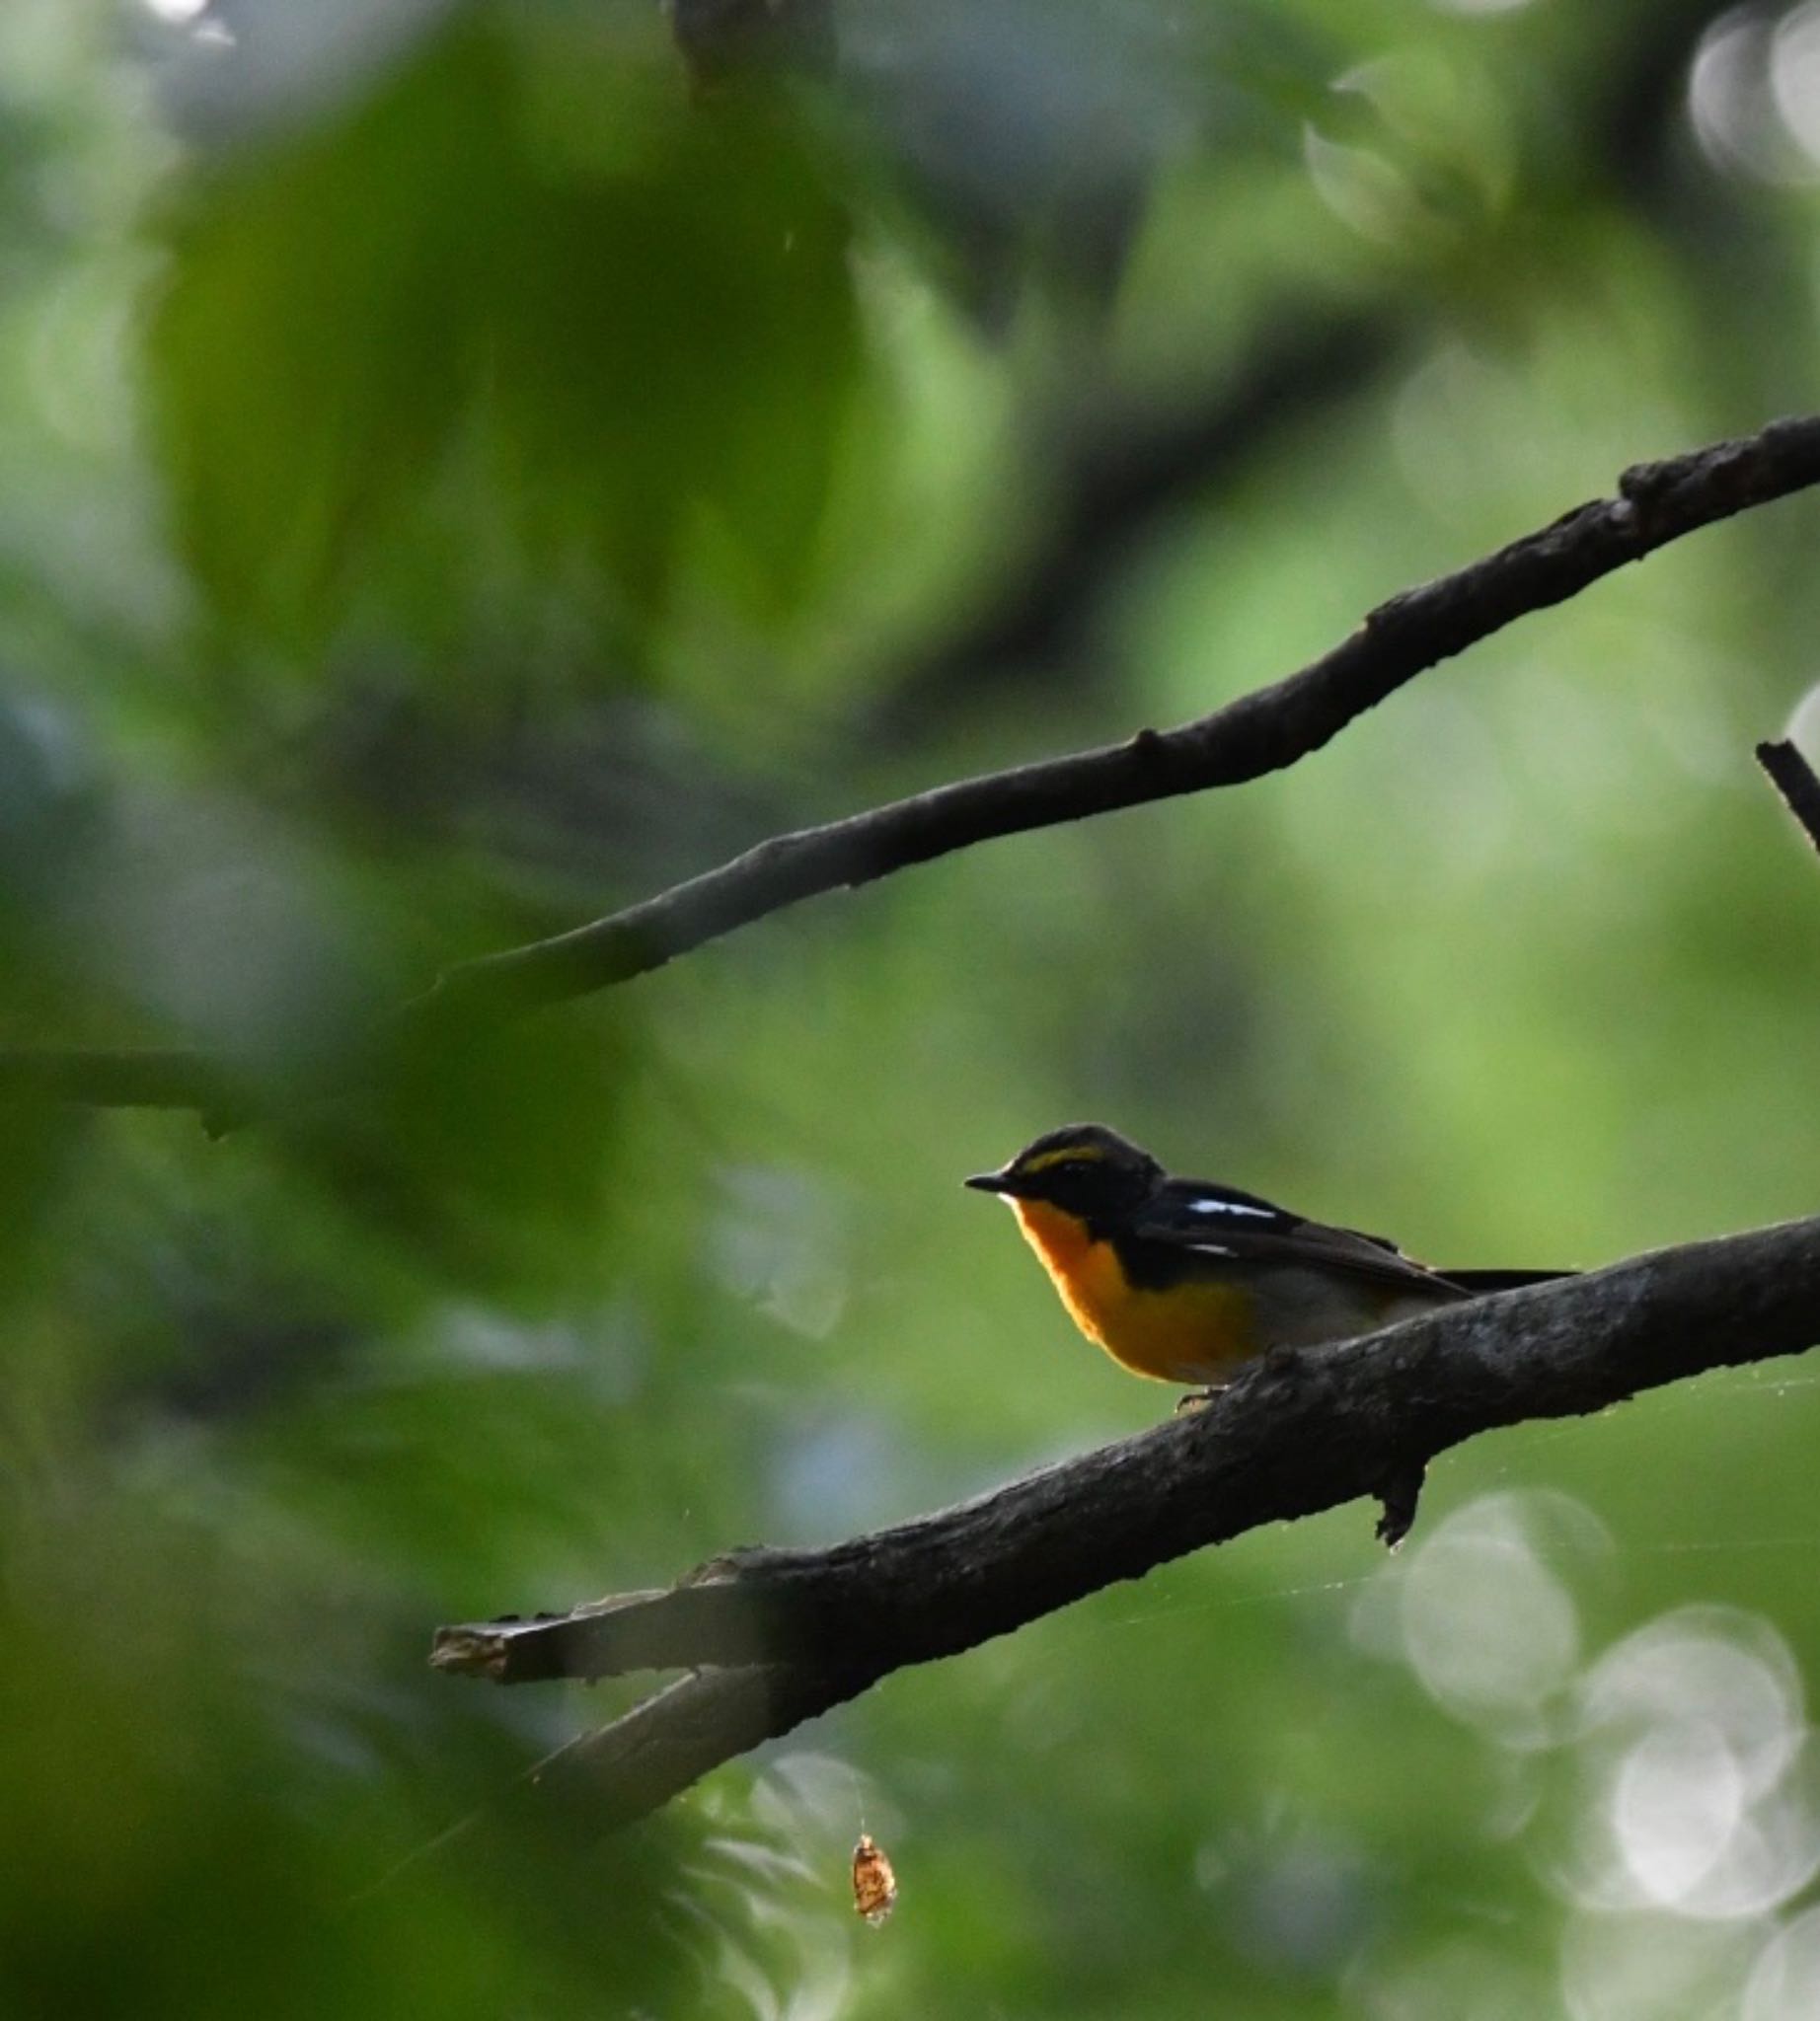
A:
x,y
1085,1170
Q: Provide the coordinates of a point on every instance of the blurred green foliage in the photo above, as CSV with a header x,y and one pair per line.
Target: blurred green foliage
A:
x,y
460,483
463,300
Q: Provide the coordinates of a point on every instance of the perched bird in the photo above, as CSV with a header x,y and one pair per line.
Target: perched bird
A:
x,y
1183,1281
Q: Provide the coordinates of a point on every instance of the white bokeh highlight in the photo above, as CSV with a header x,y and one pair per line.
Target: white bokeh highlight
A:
x,y
1695,1748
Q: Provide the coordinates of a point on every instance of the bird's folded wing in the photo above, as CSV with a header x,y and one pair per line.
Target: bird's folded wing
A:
x,y
1220,1223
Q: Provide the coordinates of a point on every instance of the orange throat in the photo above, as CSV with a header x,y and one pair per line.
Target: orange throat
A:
x,y
1078,1266
1192,1332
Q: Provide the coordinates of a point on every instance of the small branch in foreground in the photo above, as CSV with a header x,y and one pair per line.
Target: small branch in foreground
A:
x,y
790,1633
1257,733
1794,778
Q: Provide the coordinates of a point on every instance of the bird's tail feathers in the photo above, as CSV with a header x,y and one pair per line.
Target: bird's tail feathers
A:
x,y
1480,1282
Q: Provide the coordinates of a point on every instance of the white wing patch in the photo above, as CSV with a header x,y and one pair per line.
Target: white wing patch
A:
x,y
1229,1207
1210,1250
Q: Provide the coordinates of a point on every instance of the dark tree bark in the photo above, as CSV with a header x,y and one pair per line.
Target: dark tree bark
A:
x,y
781,1635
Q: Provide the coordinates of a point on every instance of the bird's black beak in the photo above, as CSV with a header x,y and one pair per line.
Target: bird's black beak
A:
x,y
991,1182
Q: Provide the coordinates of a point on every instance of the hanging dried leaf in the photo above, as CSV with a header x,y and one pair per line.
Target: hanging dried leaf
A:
x,y
875,1885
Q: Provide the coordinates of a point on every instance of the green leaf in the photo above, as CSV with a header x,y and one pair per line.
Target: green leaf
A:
x,y
614,327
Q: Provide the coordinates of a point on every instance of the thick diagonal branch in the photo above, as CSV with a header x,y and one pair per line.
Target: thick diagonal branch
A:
x,y
792,1632
1259,732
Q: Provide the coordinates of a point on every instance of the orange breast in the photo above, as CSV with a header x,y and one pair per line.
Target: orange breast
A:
x,y
1189,1333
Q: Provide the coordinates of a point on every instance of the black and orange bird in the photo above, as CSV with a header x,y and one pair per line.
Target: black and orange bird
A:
x,y
1184,1281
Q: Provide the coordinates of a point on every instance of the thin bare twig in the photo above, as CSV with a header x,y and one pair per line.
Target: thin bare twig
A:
x,y
790,1633
1257,733
1794,778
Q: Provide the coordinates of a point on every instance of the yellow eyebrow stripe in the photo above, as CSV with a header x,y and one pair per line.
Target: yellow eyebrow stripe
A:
x,y
1070,1154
